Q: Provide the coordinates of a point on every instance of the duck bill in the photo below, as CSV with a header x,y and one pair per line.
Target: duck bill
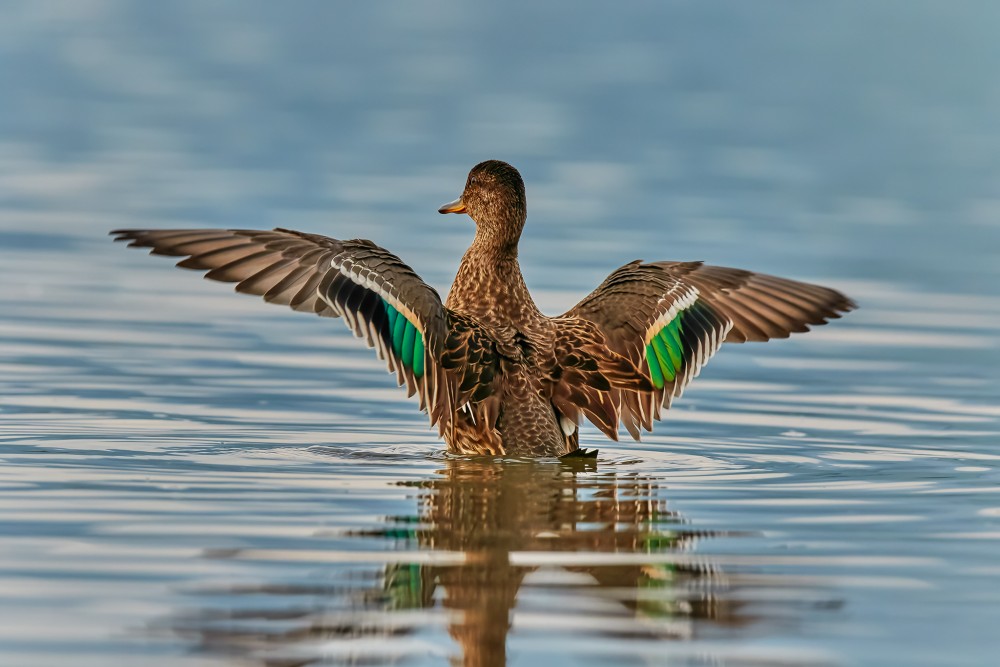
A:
x,y
457,206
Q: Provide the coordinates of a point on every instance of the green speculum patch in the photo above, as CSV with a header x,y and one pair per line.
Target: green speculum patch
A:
x,y
665,353
407,342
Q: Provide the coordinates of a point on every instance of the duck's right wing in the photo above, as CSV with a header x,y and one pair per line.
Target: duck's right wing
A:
x,y
669,318
381,299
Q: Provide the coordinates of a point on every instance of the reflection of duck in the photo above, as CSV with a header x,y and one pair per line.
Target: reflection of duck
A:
x,y
568,537
500,514
495,374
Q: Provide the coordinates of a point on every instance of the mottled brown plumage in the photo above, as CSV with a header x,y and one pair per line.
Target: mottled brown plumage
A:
x,y
493,373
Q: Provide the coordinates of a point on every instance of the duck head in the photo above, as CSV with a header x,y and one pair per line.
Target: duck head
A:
x,y
494,199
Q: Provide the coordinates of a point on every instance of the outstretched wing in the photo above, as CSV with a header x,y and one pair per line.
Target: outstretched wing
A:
x,y
669,318
380,298
761,307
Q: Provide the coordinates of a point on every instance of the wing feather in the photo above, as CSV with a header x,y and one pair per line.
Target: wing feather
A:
x,y
446,359
701,307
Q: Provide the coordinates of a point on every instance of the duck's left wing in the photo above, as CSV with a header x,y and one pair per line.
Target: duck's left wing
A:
x,y
381,299
669,318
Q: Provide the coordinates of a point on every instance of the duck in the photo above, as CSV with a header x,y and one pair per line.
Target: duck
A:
x,y
495,375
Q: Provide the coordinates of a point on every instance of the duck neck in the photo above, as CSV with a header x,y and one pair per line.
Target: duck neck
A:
x,y
489,285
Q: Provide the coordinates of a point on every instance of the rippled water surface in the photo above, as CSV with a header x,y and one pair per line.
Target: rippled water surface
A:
x,y
189,477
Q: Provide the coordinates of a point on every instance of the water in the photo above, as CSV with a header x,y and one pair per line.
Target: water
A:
x,y
193,478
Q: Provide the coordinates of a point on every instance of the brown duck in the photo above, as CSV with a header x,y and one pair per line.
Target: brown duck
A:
x,y
492,372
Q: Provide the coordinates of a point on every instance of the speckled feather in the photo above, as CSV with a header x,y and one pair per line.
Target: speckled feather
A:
x,y
494,374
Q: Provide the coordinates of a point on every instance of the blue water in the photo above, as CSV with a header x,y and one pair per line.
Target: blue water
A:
x,y
190,477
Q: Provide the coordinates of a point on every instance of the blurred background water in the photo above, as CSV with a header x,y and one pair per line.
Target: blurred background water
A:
x,y
192,478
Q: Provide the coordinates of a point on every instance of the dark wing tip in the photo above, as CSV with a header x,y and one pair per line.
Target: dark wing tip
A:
x,y
837,305
136,238
124,234
142,238
846,304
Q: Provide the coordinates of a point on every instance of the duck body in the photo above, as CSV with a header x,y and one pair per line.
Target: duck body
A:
x,y
490,290
496,375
